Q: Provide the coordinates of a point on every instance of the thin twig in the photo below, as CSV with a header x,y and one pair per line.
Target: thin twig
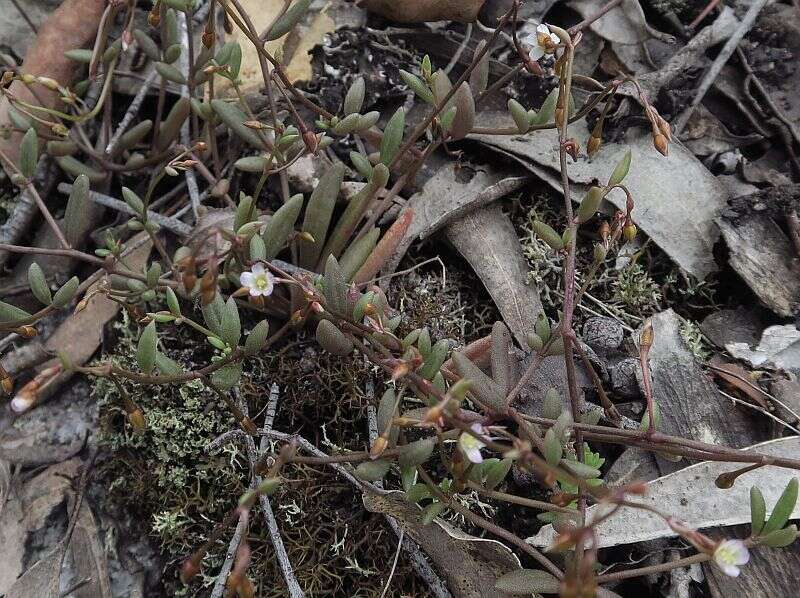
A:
x,y
719,62
186,69
133,110
222,576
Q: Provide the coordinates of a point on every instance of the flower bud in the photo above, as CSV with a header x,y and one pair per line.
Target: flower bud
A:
x,y
26,331
560,116
661,144
629,230
379,446
154,17
208,38
593,145
7,384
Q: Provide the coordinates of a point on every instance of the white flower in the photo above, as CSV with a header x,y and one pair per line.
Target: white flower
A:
x,y
258,281
541,43
471,446
730,555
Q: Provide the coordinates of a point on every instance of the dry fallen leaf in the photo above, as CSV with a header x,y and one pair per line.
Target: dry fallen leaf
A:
x,y
469,565
623,24
487,240
676,197
418,11
73,25
691,494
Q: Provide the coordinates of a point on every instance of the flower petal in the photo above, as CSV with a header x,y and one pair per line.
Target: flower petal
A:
x,y
731,570
474,455
536,52
247,279
555,39
542,28
258,269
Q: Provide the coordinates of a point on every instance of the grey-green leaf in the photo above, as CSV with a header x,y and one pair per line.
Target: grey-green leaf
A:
x,y
392,136
758,510
38,284
12,313
257,338
231,325
484,388
373,471
780,537
417,452
355,97
28,153
289,19
621,170
75,212
146,349
65,293
281,225
527,582
783,508
318,215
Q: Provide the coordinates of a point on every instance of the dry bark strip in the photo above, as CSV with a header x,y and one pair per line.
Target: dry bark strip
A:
x,y
691,406
487,240
676,197
73,25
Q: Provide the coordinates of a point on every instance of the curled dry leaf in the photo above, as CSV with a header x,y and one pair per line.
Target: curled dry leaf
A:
x,y
692,493
73,25
469,565
418,11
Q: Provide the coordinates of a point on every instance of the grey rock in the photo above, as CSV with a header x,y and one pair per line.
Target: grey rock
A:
x,y
603,334
623,378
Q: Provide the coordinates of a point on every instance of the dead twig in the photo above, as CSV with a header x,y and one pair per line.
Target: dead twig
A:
x,y
720,61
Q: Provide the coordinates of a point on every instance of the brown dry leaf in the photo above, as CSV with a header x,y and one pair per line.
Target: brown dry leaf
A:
x,y
418,11
737,377
294,46
677,198
87,557
624,24
449,194
73,25
469,565
692,493
28,510
487,240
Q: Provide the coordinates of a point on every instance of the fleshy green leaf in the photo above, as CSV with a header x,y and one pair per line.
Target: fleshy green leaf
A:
x,y
783,508
318,215
392,136
28,153
65,293
146,349
257,338
231,326
621,170
289,19
527,582
417,452
780,537
355,97
281,225
38,284
758,510
373,471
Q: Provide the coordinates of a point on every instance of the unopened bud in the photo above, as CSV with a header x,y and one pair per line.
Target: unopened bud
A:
x,y
560,116
137,420
593,145
208,38
154,17
646,338
7,384
599,253
661,144
48,82
8,77
26,331
306,236
629,231
378,447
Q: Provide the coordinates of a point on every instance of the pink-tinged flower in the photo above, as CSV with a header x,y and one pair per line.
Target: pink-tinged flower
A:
x,y
258,281
471,446
730,555
543,42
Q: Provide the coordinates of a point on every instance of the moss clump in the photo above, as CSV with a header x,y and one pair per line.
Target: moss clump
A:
x,y
165,476
633,288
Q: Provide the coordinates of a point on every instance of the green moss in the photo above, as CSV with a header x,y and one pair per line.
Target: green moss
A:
x,y
633,287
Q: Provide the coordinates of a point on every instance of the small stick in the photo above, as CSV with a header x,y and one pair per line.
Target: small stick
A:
x,y
219,585
186,68
132,111
719,62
